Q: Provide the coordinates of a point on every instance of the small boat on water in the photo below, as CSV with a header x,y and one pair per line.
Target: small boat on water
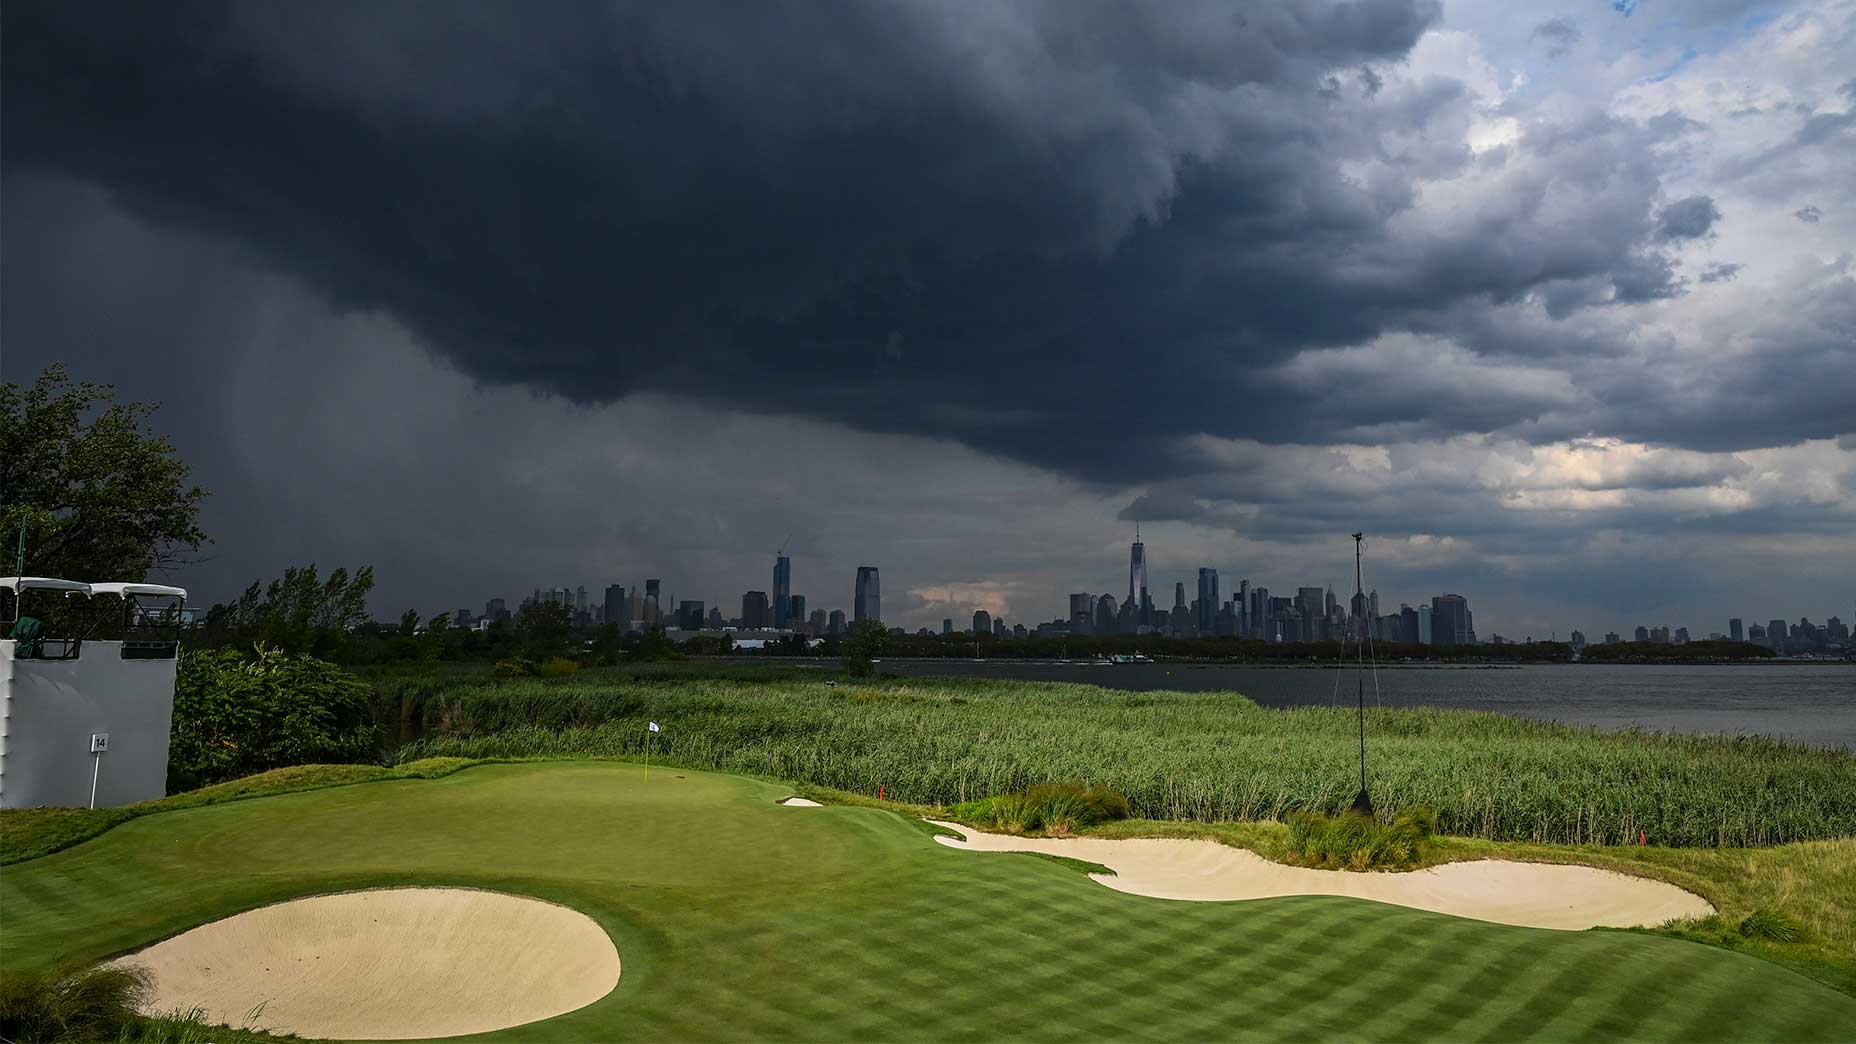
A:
x,y
1125,658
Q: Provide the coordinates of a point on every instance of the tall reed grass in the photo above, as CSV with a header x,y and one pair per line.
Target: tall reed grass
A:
x,y
1198,756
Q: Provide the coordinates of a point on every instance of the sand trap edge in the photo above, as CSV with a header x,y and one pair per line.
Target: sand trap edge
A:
x,y
798,802
1203,870
592,985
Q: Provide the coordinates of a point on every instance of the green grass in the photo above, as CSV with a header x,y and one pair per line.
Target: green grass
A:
x,y
1208,757
737,919
27,833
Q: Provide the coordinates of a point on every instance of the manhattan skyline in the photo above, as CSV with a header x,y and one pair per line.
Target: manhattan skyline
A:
x,y
1556,309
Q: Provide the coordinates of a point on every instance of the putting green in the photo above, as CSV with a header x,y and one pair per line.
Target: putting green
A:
x,y
739,919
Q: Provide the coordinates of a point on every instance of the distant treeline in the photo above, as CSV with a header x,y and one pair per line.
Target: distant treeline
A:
x,y
1709,650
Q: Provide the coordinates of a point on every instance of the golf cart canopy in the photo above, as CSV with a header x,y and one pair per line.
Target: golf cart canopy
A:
x,y
125,590
43,583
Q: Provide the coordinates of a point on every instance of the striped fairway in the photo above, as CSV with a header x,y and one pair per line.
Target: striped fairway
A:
x,y
739,919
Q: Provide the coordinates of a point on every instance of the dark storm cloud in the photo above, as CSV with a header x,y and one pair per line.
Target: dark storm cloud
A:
x,y
1721,272
1689,218
1809,214
1034,227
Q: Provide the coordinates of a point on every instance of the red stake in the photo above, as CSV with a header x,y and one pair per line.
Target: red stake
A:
x,y
879,791
1640,841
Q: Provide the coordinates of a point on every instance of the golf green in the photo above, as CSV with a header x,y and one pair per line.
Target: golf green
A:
x,y
740,919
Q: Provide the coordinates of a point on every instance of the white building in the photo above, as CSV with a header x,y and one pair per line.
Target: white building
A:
x,y
86,691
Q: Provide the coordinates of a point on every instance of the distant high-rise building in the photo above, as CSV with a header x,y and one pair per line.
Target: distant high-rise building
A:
x,y
1312,601
1107,615
1756,633
1578,641
1426,626
998,627
1775,635
496,609
1613,638
651,592
795,610
1451,623
1082,616
690,616
580,599
818,621
1019,633
869,598
947,625
715,620
1642,634
615,605
1208,601
1407,625
835,623
782,589
982,622
1734,630
754,610
1137,579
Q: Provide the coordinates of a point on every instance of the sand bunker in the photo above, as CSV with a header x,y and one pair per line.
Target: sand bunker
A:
x,y
386,964
801,802
1536,895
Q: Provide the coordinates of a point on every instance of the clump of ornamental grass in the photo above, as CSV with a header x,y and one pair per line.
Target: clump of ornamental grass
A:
x,y
1057,809
1772,924
70,1004
1352,841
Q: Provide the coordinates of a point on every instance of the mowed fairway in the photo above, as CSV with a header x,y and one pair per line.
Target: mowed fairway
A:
x,y
740,919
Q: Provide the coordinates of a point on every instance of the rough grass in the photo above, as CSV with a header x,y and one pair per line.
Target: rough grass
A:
x,y
1209,757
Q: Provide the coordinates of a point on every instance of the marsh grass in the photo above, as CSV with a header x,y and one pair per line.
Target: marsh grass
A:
x,y
1057,809
70,1004
1352,841
1206,757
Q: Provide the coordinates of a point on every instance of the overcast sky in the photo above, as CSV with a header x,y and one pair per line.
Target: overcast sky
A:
x,y
1558,306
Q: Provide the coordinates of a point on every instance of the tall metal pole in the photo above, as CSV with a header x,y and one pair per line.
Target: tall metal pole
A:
x,y
1362,802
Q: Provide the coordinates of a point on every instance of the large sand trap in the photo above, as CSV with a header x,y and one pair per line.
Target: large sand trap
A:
x,y
386,964
1537,895
799,802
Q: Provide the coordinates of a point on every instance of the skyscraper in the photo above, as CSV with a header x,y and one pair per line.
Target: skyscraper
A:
x,y
651,591
1137,579
795,611
615,606
1208,601
782,589
869,599
1451,623
1734,630
947,625
834,624
1082,619
690,616
1107,613
982,622
754,609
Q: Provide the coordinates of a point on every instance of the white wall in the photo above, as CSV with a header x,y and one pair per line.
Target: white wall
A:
x,y
48,710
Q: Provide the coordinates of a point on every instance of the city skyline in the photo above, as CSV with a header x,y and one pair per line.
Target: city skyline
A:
x,y
1554,307
1244,609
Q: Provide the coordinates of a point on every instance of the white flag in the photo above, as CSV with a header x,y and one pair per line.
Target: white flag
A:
x,y
654,727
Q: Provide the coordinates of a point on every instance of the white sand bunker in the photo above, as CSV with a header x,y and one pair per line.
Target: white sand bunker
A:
x,y
800,802
386,964
1535,895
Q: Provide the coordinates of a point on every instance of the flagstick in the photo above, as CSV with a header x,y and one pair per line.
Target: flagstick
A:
x,y
647,757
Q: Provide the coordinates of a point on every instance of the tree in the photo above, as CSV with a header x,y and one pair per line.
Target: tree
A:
x,y
544,627
296,612
237,713
100,497
863,645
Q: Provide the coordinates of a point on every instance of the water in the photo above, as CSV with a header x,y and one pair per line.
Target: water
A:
x,y
1805,703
